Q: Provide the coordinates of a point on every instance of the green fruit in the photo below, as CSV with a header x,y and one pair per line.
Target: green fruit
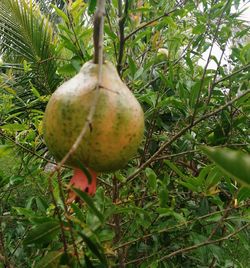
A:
x,y
117,127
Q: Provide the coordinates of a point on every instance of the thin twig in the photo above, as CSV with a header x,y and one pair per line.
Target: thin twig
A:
x,y
208,61
117,222
150,129
98,35
112,30
57,211
181,132
74,32
26,149
211,88
18,243
186,224
98,25
208,242
162,157
174,64
59,180
193,247
122,21
150,22
219,223
247,66
3,254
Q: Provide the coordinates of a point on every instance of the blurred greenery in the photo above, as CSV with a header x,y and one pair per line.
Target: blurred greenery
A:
x,y
177,203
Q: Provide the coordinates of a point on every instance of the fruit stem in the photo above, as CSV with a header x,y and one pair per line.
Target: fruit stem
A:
x,y
98,31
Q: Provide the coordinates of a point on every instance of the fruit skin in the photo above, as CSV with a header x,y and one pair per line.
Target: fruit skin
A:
x,y
117,127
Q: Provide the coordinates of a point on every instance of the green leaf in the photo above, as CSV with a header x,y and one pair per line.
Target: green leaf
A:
x,y
175,169
86,198
132,66
28,35
163,197
189,63
61,14
195,184
67,69
88,262
199,29
41,203
92,5
234,163
194,93
25,212
5,149
37,220
14,127
35,91
165,212
106,235
43,233
170,22
213,176
243,194
79,214
152,183
50,260
138,73
16,180
95,249
9,90
110,33
85,171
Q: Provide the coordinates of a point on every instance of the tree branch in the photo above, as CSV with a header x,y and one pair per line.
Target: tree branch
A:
x,y
187,223
122,20
174,64
74,32
232,74
25,148
117,223
181,132
98,57
193,247
98,39
208,242
208,60
98,30
152,21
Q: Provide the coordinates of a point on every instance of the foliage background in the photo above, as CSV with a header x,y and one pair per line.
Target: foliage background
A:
x,y
171,206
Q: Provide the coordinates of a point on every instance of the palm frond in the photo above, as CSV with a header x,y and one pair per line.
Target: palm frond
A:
x,y
27,35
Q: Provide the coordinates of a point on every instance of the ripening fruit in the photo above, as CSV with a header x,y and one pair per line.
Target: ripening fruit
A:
x,y
117,127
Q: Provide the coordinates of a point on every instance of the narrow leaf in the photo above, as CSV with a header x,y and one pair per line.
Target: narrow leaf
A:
x,y
92,5
61,14
78,212
95,249
42,233
50,260
4,149
85,171
85,197
243,194
234,163
14,127
175,169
